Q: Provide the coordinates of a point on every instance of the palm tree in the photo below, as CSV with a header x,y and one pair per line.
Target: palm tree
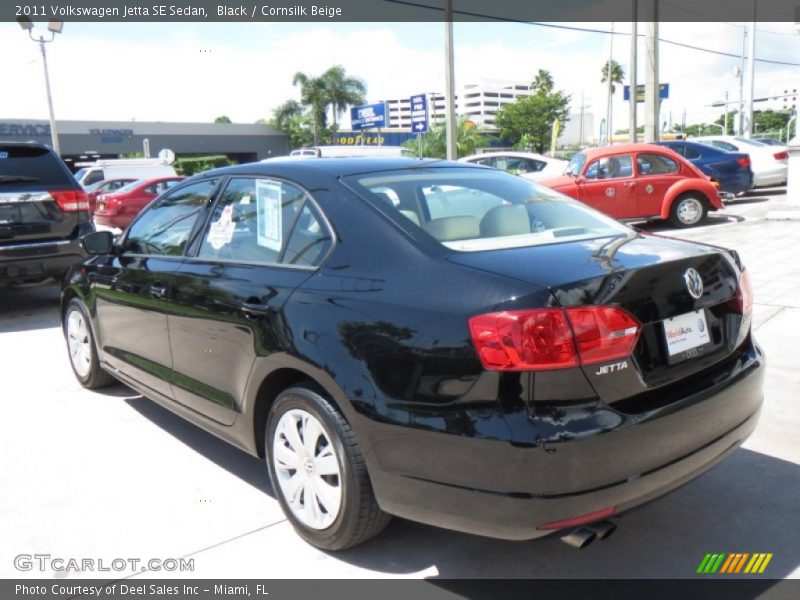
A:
x,y
313,93
343,91
617,74
543,82
284,112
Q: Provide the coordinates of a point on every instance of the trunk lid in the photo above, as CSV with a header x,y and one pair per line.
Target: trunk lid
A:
x,y
31,177
647,276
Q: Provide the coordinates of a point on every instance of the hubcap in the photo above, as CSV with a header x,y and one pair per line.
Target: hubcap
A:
x,y
689,211
307,469
78,343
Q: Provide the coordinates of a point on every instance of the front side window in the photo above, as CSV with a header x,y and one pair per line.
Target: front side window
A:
x,y
656,164
265,221
471,210
610,167
164,227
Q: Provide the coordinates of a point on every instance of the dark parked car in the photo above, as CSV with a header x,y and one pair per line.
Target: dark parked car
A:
x,y
447,343
732,170
43,214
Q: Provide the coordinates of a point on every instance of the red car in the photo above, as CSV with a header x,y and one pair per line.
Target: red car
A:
x,y
104,187
118,209
639,181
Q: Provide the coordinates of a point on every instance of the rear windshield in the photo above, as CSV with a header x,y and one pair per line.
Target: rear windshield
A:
x,y
470,209
37,165
130,186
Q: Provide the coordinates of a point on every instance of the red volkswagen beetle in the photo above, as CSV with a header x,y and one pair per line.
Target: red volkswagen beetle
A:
x,y
117,210
639,181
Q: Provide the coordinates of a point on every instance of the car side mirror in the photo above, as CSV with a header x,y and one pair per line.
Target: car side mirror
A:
x,y
580,179
99,242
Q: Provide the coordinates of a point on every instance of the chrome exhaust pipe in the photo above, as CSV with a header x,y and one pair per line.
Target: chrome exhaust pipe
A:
x,y
603,529
579,538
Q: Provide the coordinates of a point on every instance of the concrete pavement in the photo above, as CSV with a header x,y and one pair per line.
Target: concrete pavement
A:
x,y
110,474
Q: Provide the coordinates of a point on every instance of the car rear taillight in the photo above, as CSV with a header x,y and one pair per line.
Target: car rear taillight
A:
x,y
553,338
71,200
744,161
743,302
781,155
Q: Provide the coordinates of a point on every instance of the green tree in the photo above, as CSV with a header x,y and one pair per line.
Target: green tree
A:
x,y
223,119
770,122
617,74
527,123
342,91
291,118
434,143
314,94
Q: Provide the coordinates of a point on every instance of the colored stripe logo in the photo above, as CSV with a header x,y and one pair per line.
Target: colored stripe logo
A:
x,y
734,562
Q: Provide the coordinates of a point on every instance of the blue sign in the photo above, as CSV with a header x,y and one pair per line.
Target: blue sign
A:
x,y
663,92
419,113
368,116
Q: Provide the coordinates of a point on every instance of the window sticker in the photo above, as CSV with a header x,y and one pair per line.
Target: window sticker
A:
x,y
268,207
221,230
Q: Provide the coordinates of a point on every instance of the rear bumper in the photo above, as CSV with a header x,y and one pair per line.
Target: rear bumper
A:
x,y
598,458
35,262
111,222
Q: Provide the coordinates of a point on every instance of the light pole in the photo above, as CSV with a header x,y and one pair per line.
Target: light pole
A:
x,y
450,85
53,27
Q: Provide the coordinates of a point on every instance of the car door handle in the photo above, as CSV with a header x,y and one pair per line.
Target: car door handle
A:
x,y
157,291
630,184
255,309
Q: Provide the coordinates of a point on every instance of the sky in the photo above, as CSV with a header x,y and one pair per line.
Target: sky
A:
x,y
194,72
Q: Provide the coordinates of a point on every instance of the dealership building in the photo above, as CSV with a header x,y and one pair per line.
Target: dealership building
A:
x,y
89,140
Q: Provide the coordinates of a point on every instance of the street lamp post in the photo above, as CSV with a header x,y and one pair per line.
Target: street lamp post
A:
x,y
53,27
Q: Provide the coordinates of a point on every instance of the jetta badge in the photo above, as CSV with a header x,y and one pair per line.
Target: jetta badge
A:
x,y
694,283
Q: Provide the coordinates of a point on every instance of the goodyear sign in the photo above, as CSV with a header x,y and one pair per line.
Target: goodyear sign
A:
x,y
663,92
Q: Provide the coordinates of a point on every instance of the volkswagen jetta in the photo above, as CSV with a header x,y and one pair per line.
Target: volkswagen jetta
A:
x,y
443,342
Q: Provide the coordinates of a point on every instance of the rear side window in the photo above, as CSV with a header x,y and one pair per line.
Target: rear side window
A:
x,y
36,165
724,145
691,153
265,221
656,164
476,209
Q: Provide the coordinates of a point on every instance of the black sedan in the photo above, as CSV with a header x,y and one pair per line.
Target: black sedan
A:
x,y
442,342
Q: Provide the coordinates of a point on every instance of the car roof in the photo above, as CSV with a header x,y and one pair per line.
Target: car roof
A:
x,y
512,153
336,166
18,144
621,149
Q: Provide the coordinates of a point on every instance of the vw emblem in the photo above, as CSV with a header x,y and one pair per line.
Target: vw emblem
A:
x,y
694,283
649,189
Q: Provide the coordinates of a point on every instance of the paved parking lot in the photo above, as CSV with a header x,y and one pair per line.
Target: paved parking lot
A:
x,y
112,475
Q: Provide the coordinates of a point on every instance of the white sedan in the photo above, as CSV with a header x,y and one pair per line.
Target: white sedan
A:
x,y
526,164
770,164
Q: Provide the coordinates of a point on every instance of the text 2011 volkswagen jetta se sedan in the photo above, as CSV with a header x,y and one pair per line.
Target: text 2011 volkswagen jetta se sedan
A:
x,y
447,343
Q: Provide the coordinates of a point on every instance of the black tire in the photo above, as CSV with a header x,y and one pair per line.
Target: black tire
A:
x,y
359,517
688,210
95,377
